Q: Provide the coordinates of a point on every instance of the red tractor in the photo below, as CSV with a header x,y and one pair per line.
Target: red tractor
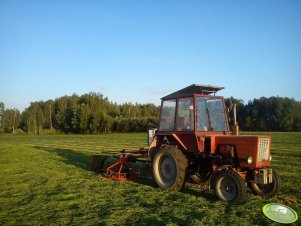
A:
x,y
194,143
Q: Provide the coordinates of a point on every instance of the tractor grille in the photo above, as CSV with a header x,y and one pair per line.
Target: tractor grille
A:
x,y
263,149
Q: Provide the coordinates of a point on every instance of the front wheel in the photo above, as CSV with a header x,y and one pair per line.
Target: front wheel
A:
x,y
267,190
169,168
229,187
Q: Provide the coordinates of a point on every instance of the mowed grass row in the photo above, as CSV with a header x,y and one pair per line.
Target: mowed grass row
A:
x,y
46,180
85,143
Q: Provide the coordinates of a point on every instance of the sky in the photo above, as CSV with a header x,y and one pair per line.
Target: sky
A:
x,y
139,51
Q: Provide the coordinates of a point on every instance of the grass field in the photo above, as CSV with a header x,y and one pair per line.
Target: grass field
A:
x,y
45,180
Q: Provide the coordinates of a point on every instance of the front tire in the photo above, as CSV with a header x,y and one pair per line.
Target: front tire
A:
x,y
267,190
229,187
169,168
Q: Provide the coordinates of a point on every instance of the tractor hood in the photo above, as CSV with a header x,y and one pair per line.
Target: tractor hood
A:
x,y
257,147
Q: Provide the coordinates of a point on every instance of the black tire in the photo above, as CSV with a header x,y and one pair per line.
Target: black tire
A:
x,y
267,190
229,187
169,168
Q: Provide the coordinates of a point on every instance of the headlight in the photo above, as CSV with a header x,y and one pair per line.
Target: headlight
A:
x,y
270,158
250,160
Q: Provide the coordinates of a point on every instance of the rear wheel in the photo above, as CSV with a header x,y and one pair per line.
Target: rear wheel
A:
x,y
169,168
267,190
229,187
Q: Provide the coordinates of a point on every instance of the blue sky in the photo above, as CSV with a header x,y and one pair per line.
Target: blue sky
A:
x,y
139,51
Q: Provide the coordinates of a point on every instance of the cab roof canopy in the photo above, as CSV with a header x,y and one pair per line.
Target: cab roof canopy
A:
x,y
194,89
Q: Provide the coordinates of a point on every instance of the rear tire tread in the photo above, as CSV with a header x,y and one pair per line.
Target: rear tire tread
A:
x,y
181,164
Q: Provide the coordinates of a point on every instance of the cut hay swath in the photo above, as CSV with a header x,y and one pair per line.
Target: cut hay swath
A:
x,y
42,184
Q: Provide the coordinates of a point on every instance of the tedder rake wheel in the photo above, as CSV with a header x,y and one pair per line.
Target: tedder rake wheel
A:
x,y
229,187
124,169
169,168
267,190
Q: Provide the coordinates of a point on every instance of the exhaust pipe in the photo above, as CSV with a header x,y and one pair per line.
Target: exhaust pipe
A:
x,y
235,126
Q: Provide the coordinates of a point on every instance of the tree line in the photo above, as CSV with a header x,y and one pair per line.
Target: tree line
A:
x,y
89,113
93,113
268,114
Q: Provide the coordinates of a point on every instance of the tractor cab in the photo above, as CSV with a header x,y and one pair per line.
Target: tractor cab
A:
x,y
193,109
192,114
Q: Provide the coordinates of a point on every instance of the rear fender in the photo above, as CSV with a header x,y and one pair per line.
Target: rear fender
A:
x,y
161,140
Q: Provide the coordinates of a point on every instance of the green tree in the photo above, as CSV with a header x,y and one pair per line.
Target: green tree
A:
x,y
84,118
76,118
73,114
49,113
11,120
33,118
60,115
297,117
2,109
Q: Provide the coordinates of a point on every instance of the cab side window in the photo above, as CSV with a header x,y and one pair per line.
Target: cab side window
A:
x,y
167,122
185,119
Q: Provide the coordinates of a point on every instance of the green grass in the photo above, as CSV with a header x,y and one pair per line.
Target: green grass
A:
x,y
45,180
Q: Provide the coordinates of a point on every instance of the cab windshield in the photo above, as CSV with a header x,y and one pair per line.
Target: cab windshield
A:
x,y
210,114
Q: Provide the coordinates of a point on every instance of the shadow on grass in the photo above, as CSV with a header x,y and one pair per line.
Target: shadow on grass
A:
x,y
191,189
70,157
199,191
83,161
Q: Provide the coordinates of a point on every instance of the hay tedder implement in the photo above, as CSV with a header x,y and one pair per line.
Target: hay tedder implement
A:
x,y
193,143
123,169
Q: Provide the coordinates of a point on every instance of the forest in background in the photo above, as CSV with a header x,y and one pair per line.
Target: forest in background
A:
x,y
94,113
